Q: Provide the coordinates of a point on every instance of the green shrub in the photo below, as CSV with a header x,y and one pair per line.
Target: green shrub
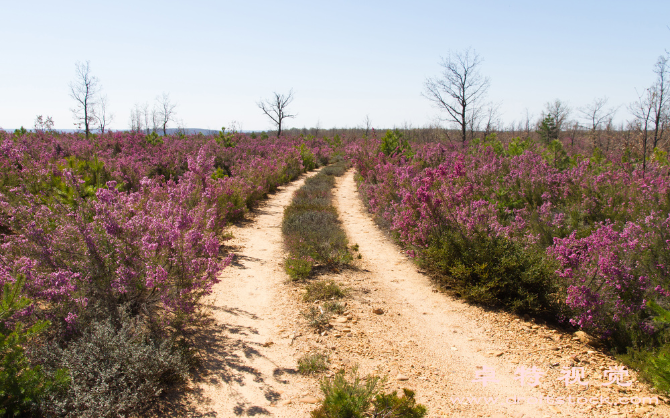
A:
x,y
20,132
226,138
335,170
347,398
153,138
22,385
322,290
357,397
115,370
391,406
548,130
653,363
308,159
298,269
494,271
393,143
317,318
334,307
313,363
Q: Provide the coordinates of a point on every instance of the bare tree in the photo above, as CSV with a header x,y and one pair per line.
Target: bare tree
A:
x,y
474,120
574,128
526,123
136,118
276,109
43,124
102,117
660,89
84,90
642,110
596,113
166,110
558,110
610,131
459,89
155,119
368,125
492,118
181,127
146,116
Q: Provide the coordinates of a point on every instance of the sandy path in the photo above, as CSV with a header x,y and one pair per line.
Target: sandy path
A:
x,y
250,354
424,340
441,344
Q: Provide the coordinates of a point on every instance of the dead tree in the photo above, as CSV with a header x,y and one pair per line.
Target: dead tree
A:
x,y
642,110
166,110
102,116
84,90
276,109
558,110
368,125
660,89
596,114
459,89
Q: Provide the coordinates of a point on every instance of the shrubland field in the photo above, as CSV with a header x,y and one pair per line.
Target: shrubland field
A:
x,y
561,230
109,244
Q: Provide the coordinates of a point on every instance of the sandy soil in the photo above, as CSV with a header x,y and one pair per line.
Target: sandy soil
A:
x,y
424,340
250,358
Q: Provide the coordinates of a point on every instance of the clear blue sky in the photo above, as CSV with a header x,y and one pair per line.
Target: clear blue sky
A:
x,y
343,59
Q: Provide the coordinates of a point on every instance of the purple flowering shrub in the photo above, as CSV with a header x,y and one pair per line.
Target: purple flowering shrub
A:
x,y
94,223
121,229
592,231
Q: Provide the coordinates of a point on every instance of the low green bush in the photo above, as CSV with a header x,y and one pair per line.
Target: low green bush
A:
x,y
334,307
298,269
309,162
347,398
356,397
313,363
389,405
22,384
653,363
335,170
311,228
322,290
115,370
494,271
317,318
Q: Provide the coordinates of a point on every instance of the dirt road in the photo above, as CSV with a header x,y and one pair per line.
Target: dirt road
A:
x,y
250,358
462,361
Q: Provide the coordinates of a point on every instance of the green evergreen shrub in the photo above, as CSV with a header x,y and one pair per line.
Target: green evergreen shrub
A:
x,y
22,385
493,270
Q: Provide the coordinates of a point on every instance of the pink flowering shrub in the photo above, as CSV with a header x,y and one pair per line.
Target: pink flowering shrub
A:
x,y
585,237
118,238
119,220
